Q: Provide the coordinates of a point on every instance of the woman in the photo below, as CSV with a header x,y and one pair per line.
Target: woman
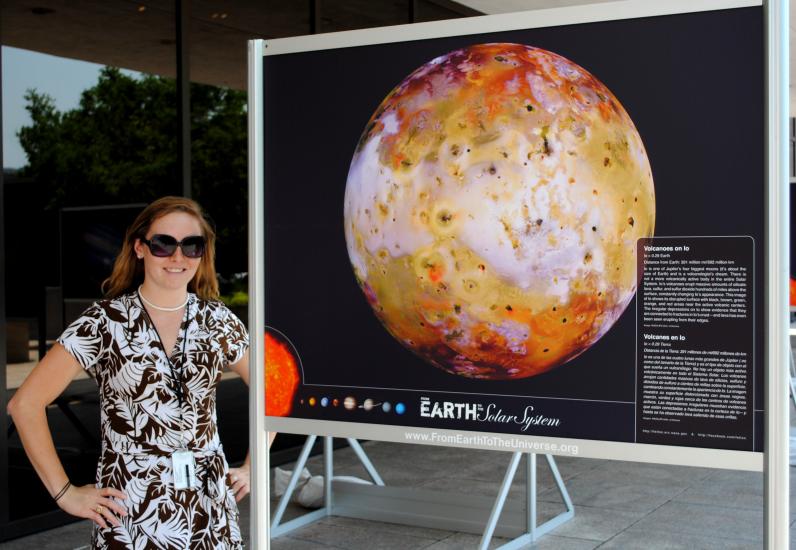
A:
x,y
156,346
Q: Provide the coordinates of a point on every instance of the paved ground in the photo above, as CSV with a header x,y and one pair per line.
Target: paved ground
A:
x,y
618,505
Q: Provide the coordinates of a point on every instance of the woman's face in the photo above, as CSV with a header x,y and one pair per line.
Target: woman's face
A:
x,y
175,271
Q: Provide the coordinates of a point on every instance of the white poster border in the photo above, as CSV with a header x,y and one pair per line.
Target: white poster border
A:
x,y
774,461
504,22
587,448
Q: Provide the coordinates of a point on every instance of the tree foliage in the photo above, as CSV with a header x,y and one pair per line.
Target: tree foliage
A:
x,y
119,145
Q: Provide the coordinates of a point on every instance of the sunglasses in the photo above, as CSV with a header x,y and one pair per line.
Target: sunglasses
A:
x,y
164,246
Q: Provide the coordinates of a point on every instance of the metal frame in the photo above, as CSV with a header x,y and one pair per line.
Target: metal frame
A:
x,y
774,460
777,483
277,527
381,504
258,440
532,530
569,15
639,452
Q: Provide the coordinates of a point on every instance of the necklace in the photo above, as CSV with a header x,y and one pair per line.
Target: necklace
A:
x,y
150,304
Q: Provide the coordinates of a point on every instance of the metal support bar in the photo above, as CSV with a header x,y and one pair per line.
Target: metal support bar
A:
x,y
328,474
562,489
530,494
533,532
277,527
500,501
259,504
776,512
412,506
365,460
296,523
302,460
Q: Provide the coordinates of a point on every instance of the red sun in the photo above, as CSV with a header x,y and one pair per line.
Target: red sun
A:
x,y
792,292
281,376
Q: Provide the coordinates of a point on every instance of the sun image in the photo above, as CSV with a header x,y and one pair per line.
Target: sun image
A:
x,y
281,374
492,210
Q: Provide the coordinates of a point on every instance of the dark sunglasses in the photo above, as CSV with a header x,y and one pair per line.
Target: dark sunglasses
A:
x,y
164,246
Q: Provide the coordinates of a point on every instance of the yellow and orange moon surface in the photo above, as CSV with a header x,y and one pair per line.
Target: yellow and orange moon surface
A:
x,y
492,209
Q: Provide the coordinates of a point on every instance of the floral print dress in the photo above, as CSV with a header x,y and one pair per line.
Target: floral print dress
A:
x,y
142,422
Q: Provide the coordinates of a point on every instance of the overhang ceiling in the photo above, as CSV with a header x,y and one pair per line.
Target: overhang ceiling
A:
x,y
141,35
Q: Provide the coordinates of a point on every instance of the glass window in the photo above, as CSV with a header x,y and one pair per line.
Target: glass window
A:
x,y
89,136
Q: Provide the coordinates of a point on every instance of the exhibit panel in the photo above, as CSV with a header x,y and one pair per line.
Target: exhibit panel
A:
x,y
543,232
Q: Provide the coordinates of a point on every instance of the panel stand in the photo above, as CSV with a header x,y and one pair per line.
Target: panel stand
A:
x,y
277,527
533,531
418,507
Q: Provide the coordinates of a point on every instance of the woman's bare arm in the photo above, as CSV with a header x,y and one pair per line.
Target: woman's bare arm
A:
x,y
27,407
44,384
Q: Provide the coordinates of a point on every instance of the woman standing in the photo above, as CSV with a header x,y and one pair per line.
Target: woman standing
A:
x,y
157,346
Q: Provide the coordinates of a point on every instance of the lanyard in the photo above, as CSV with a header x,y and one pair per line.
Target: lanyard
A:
x,y
176,374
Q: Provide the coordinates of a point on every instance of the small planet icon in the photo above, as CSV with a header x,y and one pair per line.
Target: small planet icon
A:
x,y
492,210
312,401
350,403
386,406
400,408
368,404
336,402
325,402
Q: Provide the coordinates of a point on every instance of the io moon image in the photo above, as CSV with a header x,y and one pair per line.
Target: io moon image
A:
x,y
492,210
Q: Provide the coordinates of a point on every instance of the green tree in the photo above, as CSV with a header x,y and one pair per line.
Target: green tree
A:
x,y
119,145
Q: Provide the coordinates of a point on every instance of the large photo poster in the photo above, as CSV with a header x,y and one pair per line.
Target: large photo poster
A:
x,y
554,232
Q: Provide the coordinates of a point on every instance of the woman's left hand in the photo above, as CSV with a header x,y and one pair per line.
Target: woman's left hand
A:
x,y
238,479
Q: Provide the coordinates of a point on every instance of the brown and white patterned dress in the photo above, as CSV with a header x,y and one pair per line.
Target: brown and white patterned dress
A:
x,y
142,424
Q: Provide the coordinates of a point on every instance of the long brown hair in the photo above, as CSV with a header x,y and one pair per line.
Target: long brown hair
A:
x,y
128,270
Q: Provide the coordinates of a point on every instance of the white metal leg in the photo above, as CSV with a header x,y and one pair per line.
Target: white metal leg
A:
x,y
328,474
533,532
412,506
530,494
291,486
365,460
277,527
792,378
500,501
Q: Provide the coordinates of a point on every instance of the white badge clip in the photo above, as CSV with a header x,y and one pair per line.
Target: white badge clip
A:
x,y
183,466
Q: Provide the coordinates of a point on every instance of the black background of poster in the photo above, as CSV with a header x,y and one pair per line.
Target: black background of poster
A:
x,y
693,84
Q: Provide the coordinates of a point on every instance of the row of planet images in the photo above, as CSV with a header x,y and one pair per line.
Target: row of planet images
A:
x,y
350,403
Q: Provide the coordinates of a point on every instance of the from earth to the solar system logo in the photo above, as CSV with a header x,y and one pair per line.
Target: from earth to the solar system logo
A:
x,y
477,412
447,409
